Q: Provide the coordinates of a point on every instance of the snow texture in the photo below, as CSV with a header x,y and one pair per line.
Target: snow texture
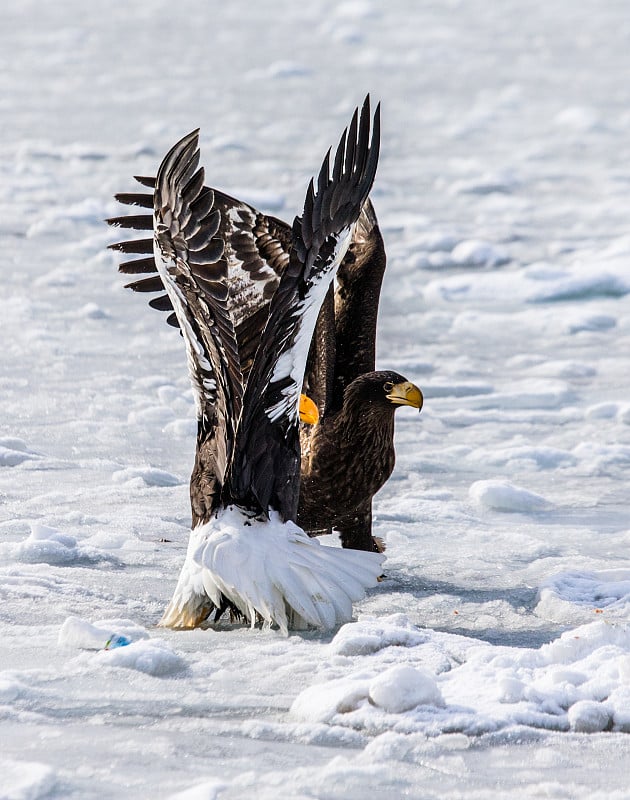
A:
x,y
493,659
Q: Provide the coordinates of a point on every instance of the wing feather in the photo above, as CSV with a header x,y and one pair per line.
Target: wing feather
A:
x,y
195,280
138,266
266,467
357,293
255,251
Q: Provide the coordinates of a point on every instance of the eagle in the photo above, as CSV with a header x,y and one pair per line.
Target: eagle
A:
x,y
349,455
250,555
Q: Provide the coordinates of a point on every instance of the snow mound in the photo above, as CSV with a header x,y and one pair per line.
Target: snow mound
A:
x,y
121,643
582,282
402,688
25,780
590,323
153,657
433,242
208,790
502,181
578,118
47,545
606,410
370,635
537,283
599,458
623,414
14,451
181,429
327,701
578,595
539,457
354,9
58,220
533,394
577,682
283,69
501,495
10,689
147,476
587,716
77,632
92,311
476,253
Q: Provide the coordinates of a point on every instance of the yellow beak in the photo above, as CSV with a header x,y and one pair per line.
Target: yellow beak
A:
x,y
308,411
406,394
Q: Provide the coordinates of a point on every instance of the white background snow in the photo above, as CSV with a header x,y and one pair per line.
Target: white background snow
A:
x,y
494,660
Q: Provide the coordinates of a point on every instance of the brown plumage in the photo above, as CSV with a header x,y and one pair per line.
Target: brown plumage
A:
x,y
349,455
251,556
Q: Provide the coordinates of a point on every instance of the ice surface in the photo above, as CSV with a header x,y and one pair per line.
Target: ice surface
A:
x,y
503,195
576,682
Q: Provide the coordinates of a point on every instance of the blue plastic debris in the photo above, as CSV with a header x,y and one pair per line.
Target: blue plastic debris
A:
x,y
116,640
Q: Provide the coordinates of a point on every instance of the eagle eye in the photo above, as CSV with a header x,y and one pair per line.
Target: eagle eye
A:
x,y
388,386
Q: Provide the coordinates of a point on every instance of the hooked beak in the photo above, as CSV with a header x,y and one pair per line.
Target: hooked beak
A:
x,y
406,394
308,411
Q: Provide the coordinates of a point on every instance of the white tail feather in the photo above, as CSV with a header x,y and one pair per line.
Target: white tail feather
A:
x,y
191,603
272,570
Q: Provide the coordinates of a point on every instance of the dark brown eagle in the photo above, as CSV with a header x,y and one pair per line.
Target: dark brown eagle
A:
x,y
349,455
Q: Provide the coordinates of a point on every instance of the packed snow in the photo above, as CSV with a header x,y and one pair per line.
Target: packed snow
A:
x,y
493,659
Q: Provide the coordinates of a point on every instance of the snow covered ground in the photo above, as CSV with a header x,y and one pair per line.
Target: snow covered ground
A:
x,y
494,660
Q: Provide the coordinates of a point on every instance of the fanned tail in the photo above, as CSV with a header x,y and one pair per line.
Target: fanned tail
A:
x,y
280,575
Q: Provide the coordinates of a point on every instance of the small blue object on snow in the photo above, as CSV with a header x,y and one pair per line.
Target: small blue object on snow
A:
x,y
116,641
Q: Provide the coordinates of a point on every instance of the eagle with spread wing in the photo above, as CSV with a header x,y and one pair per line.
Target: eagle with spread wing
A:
x,y
348,456
250,556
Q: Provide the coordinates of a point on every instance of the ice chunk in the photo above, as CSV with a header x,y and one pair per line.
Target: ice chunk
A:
x,y
587,716
77,632
26,780
150,476
369,635
477,253
320,703
152,656
501,495
47,545
403,687
208,790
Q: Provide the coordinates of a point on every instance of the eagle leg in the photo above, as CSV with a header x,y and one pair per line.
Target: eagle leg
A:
x,y
355,530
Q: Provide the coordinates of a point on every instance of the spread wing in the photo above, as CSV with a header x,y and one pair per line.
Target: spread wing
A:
x,y
344,342
255,254
266,467
188,258
357,293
